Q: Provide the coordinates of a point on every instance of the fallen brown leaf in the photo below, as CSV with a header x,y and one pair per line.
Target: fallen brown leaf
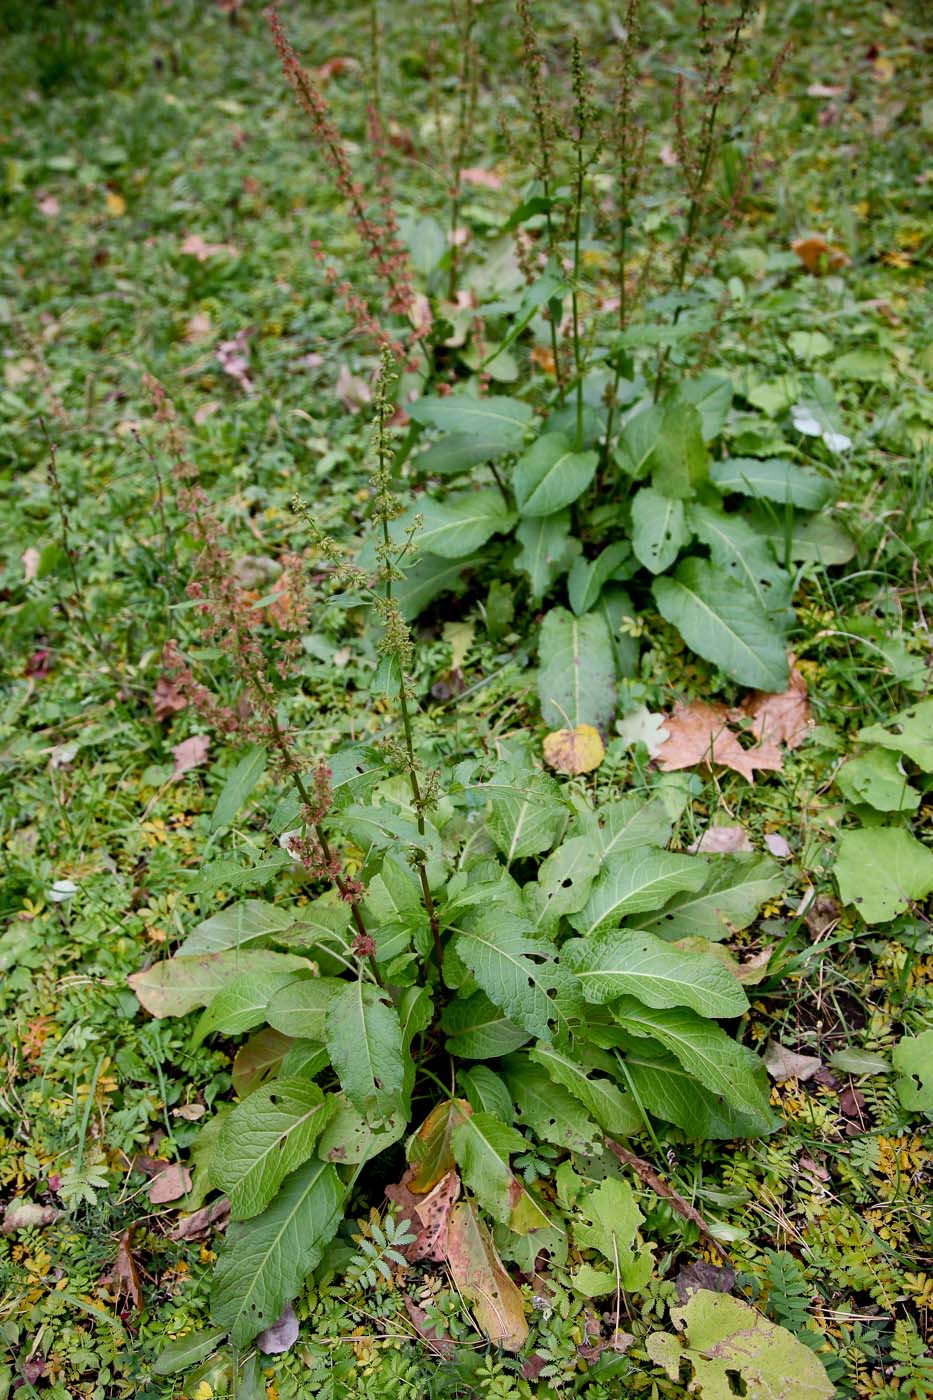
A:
x,y
195,246
27,1215
428,1215
700,733
783,718
783,1064
190,753
166,699
692,1277
478,1273
201,1223
721,840
170,1184
125,1272
440,1345
818,256
282,1335
574,751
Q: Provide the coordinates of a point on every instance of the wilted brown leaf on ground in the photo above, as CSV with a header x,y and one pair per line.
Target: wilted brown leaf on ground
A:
x,y
818,256
574,751
170,1184
783,1064
201,1223
478,1273
195,246
721,840
429,1150
699,733
125,1272
777,844
166,700
190,753
282,1335
783,718
28,1215
352,391
428,1215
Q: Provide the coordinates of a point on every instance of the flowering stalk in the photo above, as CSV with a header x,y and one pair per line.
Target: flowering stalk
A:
x,y
467,86
581,112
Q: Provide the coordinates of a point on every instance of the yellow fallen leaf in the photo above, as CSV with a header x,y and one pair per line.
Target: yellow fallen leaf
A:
x,y
116,205
574,751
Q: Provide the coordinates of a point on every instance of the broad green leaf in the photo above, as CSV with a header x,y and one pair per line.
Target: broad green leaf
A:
x,y
304,1059
626,825
610,1225
876,777
547,1108
478,1030
239,785
526,812
258,1059
458,452
734,1350
615,1112
773,479
587,577
564,881
912,1057
502,419
669,1091
427,244
232,875
517,972
429,1149
187,1351
576,679
348,1138
241,1004
633,882
910,733
551,475
704,1050
456,526
299,1009
243,925
547,550
486,1092
814,539
265,1260
720,621
178,985
626,962
364,1036
855,1061
479,1276
680,460
639,439
482,1146
881,871
740,551
659,529
711,395
266,1137
426,580
733,890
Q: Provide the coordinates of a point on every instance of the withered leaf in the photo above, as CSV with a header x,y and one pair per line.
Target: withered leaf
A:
x,y
699,733
721,840
202,1222
574,751
783,1064
125,1272
170,1184
166,700
780,719
818,256
190,753
28,1215
479,1275
427,1215
435,1341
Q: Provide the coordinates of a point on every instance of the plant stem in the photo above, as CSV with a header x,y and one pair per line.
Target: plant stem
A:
x,y
580,103
466,79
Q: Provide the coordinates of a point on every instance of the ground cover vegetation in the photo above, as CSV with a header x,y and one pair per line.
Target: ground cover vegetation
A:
x,y
466,723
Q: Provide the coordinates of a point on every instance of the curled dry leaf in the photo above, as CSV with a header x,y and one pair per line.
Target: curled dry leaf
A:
x,y
700,733
574,751
166,700
190,753
428,1215
170,1184
479,1275
203,1222
818,256
783,1064
125,1273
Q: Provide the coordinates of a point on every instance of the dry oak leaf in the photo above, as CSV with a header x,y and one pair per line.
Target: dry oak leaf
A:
x,y
700,733
574,751
818,256
783,718
166,699
190,753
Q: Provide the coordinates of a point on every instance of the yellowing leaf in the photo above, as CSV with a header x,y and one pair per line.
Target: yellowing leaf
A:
x,y
574,751
116,205
818,256
478,1273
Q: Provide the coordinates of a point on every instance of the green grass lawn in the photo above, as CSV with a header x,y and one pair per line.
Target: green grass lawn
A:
x,y
161,193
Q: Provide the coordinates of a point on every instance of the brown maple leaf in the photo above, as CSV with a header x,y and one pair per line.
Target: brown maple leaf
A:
x,y
700,733
780,719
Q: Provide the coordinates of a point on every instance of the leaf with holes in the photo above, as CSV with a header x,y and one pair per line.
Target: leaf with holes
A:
x,y
576,680
627,825
348,1138
551,474
429,1149
265,1138
720,621
741,552
910,733
265,1260
478,1273
517,972
680,459
363,1034
547,1108
610,1225
882,870
615,1112
912,1057
659,529
630,963
633,882
564,882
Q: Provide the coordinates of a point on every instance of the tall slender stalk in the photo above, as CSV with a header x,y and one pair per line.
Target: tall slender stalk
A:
x,y
466,85
629,145
580,118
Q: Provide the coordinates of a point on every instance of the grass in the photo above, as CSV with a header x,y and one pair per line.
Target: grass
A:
x,y
133,130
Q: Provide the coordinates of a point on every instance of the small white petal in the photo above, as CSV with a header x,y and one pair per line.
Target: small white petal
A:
x,y
62,890
837,442
804,421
